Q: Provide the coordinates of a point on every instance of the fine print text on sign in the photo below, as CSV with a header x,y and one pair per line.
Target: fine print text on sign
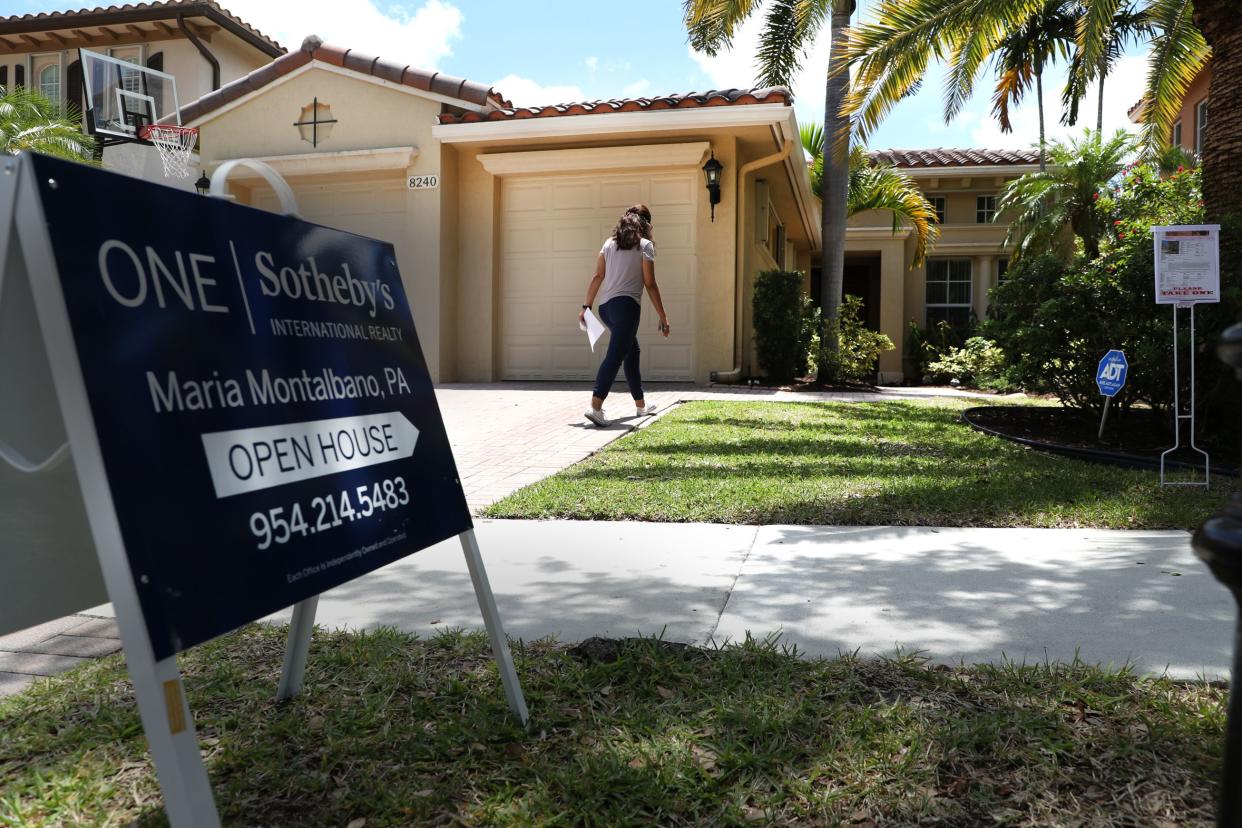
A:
x,y
266,420
1187,263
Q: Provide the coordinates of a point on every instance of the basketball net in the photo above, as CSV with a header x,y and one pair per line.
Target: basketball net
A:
x,y
175,145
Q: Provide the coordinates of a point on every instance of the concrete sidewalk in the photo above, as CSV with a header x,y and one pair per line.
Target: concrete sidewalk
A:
x,y
959,594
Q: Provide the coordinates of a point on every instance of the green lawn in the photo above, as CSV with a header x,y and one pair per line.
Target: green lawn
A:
x,y
883,463
398,731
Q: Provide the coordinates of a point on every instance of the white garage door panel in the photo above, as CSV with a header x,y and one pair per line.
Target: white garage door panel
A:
x,y
552,230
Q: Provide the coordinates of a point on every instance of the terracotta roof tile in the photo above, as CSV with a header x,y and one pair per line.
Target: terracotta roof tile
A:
x,y
689,100
138,12
315,49
940,157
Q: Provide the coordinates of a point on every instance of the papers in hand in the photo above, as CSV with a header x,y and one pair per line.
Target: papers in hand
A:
x,y
593,327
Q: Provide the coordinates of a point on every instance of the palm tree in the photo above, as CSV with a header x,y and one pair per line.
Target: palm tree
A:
x,y
1023,54
874,186
1127,26
1066,194
29,121
791,26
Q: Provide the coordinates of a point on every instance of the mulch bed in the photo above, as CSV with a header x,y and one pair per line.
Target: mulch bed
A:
x,y
1139,432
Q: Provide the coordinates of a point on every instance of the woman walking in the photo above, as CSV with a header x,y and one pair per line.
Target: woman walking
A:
x,y
626,265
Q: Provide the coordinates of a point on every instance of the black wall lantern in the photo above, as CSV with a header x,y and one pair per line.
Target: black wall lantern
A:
x,y
711,171
203,185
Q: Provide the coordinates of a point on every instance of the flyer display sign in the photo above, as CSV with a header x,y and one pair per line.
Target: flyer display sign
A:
x,y
263,410
1187,263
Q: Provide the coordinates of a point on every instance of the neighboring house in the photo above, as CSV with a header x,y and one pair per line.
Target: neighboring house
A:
x,y
200,43
1191,122
970,257
498,213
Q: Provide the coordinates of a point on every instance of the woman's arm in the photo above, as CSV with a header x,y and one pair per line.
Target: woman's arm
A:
x,y
593,287
653,290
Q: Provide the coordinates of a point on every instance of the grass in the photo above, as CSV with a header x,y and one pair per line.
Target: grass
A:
x,y
395,730
853,464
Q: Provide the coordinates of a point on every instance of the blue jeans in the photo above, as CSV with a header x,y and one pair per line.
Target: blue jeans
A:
x,y
620,315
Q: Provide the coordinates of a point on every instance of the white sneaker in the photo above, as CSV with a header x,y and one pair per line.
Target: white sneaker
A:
x,y
596,415
645,411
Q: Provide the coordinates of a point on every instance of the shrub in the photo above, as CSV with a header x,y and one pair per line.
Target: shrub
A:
x,y
927,345
778,319
1055,318
858,346
977,362
808,338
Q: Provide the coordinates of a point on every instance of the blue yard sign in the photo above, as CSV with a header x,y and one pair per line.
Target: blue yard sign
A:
x,y
1111,374
266,418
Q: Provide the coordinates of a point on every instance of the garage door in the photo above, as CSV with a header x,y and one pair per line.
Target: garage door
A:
x,y
551,231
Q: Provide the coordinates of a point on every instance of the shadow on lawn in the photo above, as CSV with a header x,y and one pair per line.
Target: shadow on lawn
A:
x,y
403,732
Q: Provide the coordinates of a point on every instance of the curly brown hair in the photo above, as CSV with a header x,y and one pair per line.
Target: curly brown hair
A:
x,y
635,224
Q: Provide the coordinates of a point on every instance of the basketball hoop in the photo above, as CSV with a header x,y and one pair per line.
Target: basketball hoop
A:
x,y
175,144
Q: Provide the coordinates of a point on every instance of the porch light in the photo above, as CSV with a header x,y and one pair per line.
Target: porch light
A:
x,y
203,185
711,171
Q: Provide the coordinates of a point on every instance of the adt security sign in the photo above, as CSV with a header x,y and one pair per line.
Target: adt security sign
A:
x,y
1111,374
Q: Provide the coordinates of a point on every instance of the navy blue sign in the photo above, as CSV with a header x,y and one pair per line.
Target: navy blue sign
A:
x,y
1110,376
265,415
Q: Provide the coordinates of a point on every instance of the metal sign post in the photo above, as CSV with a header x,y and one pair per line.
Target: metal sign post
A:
x,y
1187,271
1110,377
272,365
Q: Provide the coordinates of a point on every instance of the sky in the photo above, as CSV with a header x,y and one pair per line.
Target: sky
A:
x,y
557,51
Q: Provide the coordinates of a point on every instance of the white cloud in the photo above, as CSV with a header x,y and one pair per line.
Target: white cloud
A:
x,y
592,63
735,67
636,89
422,38
526,92
1122,88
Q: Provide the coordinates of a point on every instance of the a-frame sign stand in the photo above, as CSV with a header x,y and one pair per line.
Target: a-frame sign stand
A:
x,y
62,268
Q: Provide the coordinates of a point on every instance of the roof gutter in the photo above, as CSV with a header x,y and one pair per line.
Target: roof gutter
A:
x,y
202,50
740,242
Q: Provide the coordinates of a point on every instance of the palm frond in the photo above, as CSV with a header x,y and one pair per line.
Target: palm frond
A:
x,y
711,24
1178,53
886,188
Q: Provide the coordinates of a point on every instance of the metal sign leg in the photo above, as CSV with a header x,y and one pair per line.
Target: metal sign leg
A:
x,y
495,630
297,646
172,740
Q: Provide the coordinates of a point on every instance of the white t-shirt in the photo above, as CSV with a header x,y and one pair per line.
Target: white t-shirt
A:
x,y
623,270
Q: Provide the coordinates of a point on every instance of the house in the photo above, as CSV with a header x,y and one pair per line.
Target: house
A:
x,y
1191,121
201,44
969,259
497,212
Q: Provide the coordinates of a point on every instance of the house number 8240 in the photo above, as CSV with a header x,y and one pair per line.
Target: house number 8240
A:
x,y
424,182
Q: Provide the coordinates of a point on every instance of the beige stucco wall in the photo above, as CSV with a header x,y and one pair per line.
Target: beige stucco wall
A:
x,y
903,287
370,115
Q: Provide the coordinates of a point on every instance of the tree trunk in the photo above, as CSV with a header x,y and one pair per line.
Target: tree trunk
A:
x,y
1099,109
1222,141
1039,94
836,183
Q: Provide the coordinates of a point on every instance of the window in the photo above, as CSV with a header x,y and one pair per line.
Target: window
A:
x,y
938,204
949,292
19,75
1201,116
49,82
1002,268
131,81
985,209
1177,134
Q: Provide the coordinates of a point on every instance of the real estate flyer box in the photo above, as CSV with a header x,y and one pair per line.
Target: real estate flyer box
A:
x,y
250,417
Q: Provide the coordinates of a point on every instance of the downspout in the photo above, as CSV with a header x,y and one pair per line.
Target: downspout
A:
x,y
202,50
741,241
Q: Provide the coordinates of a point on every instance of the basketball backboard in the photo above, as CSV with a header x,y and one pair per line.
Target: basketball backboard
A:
x,y
123,96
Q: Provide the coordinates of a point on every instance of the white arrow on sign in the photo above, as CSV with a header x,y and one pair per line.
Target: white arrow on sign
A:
x,y
250,459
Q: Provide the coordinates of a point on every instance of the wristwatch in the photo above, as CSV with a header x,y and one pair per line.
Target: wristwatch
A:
x,y
586,307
